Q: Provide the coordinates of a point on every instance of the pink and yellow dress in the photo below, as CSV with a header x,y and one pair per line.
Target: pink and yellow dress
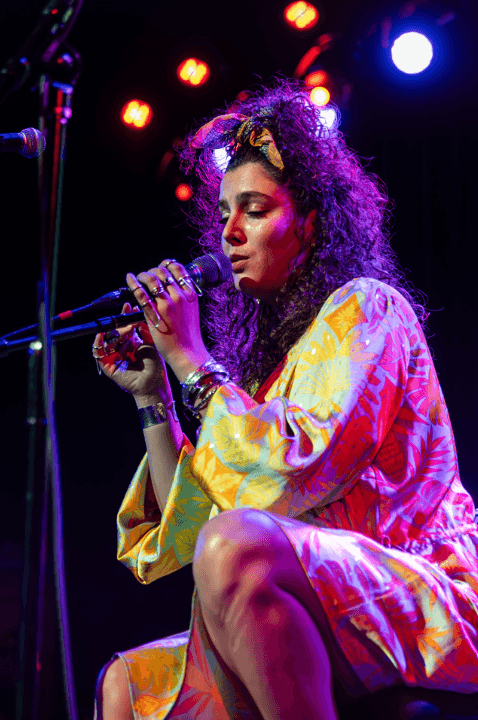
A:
x,y
351,452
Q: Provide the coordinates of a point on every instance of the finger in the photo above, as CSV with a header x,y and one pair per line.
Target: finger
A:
x,y
157,281
145,302
183,280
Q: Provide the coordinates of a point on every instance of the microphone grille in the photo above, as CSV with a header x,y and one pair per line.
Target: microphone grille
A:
x,y
215,269
34,142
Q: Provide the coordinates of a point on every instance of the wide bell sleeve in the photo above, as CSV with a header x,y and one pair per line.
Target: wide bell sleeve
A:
x,y
153,544
307,447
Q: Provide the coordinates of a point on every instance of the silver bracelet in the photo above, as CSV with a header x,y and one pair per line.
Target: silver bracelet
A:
x,y
156,414
197,381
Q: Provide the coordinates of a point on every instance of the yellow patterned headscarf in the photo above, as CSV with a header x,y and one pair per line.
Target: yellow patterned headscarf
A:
x,y
213,134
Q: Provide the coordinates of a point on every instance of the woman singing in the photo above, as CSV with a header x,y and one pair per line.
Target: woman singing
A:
x,y
333,545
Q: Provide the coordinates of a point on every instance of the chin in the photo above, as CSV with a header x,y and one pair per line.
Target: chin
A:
x,y
248,287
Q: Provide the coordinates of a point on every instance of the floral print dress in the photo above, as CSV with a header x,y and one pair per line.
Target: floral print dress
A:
x,y
349,448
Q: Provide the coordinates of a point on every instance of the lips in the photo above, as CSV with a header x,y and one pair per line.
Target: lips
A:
x,y
238,262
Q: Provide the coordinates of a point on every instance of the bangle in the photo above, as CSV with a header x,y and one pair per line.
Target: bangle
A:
x,y
201,384
195,380
156,414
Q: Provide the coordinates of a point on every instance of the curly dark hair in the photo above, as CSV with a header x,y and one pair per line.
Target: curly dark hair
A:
x,y
352,237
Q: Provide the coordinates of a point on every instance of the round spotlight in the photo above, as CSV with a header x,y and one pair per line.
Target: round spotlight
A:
x,y
193,72
301,15
183,192
136,114
315,78
319,96
412,52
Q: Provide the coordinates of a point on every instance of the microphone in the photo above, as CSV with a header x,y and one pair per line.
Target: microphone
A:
x,y
207,271
29,142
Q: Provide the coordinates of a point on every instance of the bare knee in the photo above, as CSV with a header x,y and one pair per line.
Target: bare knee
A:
x,y
235,551
112,693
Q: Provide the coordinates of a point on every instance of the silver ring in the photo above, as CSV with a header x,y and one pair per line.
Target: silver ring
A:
x,y
157,291
168,262
169,281
146,302
184,280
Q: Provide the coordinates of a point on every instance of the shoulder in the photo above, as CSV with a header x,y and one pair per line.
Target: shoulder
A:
x,y
366,299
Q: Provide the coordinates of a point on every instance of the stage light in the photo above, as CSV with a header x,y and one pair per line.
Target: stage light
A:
x,y
319,96
412,52
316,78
221,158
329,117
193,72
136,114
301,15
183,192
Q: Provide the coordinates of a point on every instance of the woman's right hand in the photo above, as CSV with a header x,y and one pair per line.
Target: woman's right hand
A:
x,y
129,357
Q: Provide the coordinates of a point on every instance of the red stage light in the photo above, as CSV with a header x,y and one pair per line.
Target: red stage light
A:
x,y
193,72
183,192
136,114
319,96
316,78
301,15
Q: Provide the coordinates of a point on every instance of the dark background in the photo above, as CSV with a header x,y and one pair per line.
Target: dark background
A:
x,y
120,214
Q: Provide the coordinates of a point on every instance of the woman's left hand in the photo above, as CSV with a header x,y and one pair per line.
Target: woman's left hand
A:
x,y
171,308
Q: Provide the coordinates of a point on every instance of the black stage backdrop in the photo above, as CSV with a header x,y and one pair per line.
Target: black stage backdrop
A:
x,y
120,215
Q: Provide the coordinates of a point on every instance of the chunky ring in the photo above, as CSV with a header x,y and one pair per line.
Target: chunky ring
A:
x,y
184,280
157,291
168,262
169,281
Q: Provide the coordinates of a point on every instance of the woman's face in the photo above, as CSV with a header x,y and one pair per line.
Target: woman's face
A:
x,y
261,231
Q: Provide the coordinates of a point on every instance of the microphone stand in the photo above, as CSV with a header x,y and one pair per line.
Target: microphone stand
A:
x,y
91,328
58,66
55,111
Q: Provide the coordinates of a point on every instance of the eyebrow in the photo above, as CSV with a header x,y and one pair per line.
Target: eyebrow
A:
x,y
244,197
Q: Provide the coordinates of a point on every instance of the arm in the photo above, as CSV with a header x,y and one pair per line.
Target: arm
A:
x,y
163,509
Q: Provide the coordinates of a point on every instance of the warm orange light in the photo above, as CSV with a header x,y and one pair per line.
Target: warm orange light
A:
x,y
183,192
301,15
316,78
319,96
193,72
136,114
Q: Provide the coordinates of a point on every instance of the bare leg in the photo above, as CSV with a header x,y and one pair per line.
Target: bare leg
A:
x,y
112,694
264,618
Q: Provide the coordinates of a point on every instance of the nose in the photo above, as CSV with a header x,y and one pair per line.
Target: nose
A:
x,y
232,232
